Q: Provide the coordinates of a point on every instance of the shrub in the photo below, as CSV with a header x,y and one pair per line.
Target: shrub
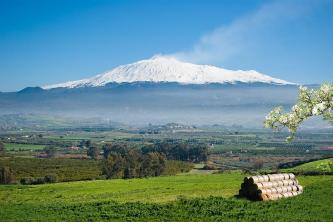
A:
x,y
26,180
39,180
51,178
33,181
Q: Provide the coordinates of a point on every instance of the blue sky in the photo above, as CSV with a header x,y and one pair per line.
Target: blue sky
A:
x,y
44,41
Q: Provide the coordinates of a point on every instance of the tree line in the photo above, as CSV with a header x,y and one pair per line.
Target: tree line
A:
x,y
179,151
191,152
122,161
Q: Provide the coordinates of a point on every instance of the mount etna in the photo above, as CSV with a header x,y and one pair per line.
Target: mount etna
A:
x,y
160,90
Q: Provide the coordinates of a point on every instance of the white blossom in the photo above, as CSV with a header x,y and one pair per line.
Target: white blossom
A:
x,y
310,103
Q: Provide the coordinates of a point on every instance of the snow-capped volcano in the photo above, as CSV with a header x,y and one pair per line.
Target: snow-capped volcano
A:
x,y
168,69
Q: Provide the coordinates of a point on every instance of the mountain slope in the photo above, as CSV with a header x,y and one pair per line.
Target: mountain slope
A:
x,y
168,69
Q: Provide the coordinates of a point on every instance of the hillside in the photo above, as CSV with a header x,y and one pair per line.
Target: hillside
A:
x,y
320,166
176,198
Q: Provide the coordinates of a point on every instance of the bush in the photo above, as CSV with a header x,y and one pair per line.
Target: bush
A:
x,y
26,180
39,180
51,178
32,181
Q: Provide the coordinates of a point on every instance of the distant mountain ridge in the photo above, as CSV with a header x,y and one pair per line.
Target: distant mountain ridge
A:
x,y
161,69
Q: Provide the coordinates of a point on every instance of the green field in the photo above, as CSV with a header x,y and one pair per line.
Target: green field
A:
x,y
22,147
169,198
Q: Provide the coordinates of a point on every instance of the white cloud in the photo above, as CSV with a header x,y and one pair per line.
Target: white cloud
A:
x,y
245,33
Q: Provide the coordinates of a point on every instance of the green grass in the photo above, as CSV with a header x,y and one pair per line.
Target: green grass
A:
x,y
198,170
21,147
155,189
172,198
96,137
324,166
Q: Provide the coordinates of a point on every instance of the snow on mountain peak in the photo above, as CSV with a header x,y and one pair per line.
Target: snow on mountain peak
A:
x,y
168,69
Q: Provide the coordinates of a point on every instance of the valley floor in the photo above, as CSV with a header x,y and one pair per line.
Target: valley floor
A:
x,y
169,198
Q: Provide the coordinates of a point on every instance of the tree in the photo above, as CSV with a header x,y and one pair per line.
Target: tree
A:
x,y
153,164
159,163
2,148
7,176
50,151
198,153
123,162
132,164
93,152
120,149
113,166
310,103
84,144
87,144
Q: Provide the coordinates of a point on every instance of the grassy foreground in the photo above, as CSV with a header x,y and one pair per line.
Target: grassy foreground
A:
x,y
172,198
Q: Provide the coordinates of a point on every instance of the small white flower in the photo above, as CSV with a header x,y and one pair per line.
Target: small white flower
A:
x,y
325,88
303,88
295,108
319,108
